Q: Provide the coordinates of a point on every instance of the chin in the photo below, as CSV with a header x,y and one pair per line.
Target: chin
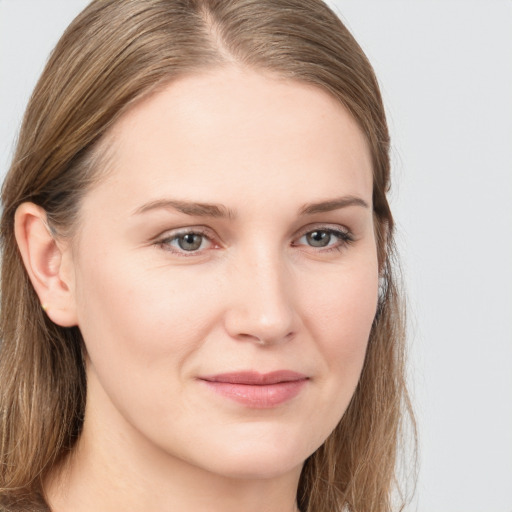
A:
x,y
259,466
260,454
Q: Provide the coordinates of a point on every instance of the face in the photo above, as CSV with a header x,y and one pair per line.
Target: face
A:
x,y
225,272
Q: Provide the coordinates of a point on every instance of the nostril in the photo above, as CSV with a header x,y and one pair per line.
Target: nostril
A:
x,y
265,340
264,314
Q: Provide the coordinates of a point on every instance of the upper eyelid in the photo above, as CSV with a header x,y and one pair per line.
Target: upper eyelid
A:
x,y
209,233
320,226
173,233
204,230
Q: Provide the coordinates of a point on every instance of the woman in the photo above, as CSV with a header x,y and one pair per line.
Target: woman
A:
x,y
198,303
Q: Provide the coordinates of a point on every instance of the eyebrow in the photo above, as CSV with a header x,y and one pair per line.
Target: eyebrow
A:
x,y
220,211
188,208
333,204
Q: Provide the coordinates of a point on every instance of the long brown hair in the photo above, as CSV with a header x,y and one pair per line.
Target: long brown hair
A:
x,y
114,53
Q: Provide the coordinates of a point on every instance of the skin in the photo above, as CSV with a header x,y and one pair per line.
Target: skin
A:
x,y
256,295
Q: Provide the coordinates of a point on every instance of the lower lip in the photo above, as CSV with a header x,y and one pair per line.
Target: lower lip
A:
x,y
258,396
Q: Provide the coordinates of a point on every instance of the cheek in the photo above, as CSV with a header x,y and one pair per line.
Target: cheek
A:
x,y
340,321
345,309
141,327
131,319
130,300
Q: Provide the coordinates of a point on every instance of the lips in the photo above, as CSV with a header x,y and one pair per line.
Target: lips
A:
x,y
257,390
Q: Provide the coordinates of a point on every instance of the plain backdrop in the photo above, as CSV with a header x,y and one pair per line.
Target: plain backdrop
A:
x,y
445,67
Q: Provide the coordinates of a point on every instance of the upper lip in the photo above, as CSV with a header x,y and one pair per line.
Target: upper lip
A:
x,y
255,378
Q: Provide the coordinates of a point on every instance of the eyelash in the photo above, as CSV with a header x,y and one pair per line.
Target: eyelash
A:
x,y
345,238
164,243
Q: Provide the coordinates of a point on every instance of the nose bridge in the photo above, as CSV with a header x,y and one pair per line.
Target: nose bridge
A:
x,y
262,308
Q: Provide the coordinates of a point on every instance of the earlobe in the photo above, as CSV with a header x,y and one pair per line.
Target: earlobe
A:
x,y
46,262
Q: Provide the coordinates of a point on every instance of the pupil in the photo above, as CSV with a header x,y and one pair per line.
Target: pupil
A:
x,y
190,242
319,238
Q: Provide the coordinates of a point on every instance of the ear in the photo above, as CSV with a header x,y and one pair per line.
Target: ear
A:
x,y
48,263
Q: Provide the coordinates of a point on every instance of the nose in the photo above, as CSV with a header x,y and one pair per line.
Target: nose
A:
x,y
261,308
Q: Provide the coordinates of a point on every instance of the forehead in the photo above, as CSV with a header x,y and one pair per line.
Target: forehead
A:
x,y
233,129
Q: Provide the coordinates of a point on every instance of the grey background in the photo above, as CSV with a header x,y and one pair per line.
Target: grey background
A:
x,y
445,67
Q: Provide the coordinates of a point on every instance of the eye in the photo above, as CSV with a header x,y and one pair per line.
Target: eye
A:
x,y
190,241
186,243
326,238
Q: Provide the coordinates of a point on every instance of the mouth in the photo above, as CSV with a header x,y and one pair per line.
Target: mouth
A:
x,y
257,390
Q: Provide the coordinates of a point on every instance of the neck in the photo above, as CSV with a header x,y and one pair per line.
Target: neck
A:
x,y
114,469
82,484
